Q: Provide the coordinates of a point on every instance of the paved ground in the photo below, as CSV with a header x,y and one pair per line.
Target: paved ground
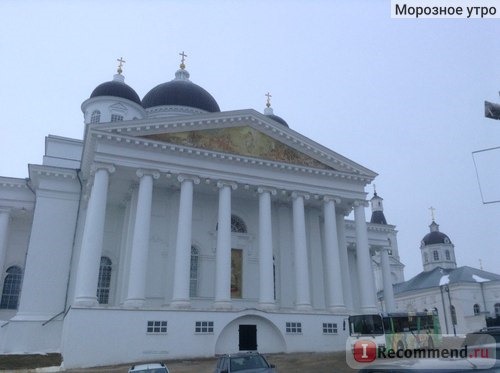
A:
x,y
289,363
285,363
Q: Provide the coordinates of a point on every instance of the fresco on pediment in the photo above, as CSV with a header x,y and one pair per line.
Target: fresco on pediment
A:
x,y
245,141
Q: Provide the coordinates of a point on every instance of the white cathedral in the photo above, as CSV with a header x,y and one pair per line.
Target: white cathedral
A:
x,y
174,229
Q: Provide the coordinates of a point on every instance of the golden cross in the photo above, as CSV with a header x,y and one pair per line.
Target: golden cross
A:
x,y
268,95
183,55
432,212
120,65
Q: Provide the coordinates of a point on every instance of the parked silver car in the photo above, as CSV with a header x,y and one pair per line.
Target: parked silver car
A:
x,y
149,368
244,362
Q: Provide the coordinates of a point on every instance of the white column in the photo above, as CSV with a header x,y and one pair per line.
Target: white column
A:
x,y
136,293
4,232
387,280
333,272
303,297
93,233
365,271
344,262
223,254
182,269
266,278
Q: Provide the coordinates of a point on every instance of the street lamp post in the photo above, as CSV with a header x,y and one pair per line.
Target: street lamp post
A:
x,y
453,314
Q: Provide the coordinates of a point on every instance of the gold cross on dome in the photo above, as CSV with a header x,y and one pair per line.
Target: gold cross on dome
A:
x,y
183,58
120,65
432,212
268,95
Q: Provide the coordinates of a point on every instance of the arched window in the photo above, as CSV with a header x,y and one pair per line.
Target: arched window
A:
x,y
497,309
95,117
436,255
447,254
426,258
477,309
104,281
237,225
193,280
11,288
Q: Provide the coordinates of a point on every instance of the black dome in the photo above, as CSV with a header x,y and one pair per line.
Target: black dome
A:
x,y
278,119
116,89
436,237
378,217
180,93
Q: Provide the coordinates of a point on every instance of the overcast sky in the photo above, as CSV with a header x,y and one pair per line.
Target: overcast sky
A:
x,y
401,97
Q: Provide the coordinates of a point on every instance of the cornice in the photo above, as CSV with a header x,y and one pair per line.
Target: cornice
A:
x,y
9,182
387,228
50,171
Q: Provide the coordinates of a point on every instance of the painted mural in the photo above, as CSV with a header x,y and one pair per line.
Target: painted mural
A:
x,y
236,274
245,141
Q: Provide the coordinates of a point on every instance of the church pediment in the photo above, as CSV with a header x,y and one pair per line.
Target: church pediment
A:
x,y
245,133
243,141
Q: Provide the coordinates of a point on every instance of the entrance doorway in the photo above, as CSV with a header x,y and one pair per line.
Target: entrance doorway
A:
x,y
248,337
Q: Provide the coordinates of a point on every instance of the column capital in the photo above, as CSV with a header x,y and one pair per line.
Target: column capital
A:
x,y
297,194
143,172
223,183
102,166
360,202
333,199
183,177
264,189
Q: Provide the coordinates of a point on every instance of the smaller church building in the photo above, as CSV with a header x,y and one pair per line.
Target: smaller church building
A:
x,y
464,297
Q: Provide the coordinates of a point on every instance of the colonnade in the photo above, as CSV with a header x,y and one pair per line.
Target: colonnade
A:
x,y
338,291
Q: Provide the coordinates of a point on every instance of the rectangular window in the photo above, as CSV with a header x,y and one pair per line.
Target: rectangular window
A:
x,y
204,327
294,328
329,328
157,327
116,118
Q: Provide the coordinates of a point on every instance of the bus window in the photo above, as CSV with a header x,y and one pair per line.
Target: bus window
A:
x,y
366,325
413,323
388,325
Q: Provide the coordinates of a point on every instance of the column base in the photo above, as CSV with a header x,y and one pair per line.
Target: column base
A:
x,y
267,306
338,309
134,303
223,305
86,302
180,304
303,307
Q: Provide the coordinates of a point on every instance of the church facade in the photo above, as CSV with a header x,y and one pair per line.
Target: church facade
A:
x,y
174,229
